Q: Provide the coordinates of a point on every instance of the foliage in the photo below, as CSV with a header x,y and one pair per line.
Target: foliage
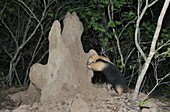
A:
x,y
143,103
97,22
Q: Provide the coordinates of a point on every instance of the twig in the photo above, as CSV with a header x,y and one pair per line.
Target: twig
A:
x,y
167,43
17,76
128,57
126,27
43,56
131,76
116,37
6,26
157,84
27,8
26,30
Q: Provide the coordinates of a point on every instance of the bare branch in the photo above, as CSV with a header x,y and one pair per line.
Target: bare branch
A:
x,y
150,5
16,74
126,27
165,44
43,56
6,26
167,83
26,30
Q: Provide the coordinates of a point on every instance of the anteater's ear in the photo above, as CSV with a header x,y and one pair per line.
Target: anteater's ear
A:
x,y
96,57
104,58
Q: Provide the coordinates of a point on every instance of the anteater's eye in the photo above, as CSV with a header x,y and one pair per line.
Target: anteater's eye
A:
x,y
90,62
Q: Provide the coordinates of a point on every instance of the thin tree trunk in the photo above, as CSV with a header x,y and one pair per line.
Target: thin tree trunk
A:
x,y
152,49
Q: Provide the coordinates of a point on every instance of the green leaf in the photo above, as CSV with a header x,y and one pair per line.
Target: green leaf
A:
x,y
111,24
109,35
105,2
167,53
50,14
143,103
102,29
11,9
117,22
106,39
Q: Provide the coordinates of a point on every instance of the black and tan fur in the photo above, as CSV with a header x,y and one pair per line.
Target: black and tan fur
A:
x,y
113,75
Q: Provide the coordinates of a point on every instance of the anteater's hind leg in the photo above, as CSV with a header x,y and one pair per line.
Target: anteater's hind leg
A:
x,y
109,88
119,89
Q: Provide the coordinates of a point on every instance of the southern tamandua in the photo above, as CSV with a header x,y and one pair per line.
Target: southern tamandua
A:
x,y
113,76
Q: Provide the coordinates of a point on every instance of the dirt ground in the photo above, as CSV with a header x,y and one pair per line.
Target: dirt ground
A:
x,y
100,103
